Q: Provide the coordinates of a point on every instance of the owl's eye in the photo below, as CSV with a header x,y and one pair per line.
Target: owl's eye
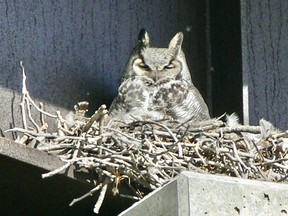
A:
x,y
170,66
143,66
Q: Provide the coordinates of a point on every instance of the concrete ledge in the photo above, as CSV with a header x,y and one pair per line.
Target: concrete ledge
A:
x,y
24,192
203,194
40,159
29,155
162,201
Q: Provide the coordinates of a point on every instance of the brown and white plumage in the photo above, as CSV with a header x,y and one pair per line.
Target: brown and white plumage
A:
x,y
157,85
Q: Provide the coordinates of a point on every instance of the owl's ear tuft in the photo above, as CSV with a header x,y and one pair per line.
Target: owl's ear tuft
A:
x,y
143,38
176,42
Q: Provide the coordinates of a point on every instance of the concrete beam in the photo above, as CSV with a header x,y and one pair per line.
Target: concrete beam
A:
x,y
29,155
204,194
24,192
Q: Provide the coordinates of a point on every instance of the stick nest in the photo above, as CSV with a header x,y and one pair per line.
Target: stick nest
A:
x,y
147,154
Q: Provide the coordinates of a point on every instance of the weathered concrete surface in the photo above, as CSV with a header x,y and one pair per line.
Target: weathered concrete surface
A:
x,y
40,159
29,155
203,194
162,201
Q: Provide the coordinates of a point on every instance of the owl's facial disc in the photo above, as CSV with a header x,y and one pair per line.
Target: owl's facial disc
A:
x,y
156,72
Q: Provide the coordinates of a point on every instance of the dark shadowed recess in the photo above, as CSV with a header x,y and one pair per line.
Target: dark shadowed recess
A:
x,y
24,192
226,57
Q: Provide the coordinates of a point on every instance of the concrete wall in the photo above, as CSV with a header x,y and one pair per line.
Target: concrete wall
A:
x,y
204,194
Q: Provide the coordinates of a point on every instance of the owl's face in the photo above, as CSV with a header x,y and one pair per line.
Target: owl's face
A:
x,y
156,64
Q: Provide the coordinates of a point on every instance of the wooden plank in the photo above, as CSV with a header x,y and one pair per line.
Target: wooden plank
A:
x,y
265,61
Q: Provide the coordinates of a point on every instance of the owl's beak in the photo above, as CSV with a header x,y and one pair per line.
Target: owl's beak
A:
x,y
156,76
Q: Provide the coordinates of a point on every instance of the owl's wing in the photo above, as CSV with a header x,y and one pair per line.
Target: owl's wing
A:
x,y
198,109
132,100
184,102
119,105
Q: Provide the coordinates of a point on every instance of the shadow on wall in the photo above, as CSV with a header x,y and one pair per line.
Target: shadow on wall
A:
x,y
75,51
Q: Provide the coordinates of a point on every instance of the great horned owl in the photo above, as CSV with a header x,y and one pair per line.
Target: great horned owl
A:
x,y
157,85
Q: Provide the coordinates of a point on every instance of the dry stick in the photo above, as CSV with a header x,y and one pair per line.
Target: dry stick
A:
x,y
61,121
30,116
23,139
31,133
92,160
197,147
281,166
67,165
86,195
124,135
42,118
55,147
60,132
40,110
24,93
100,198
237,156
101,123
130,197
56,171
95,117
270,162
210,123
241,128
180,150
75,153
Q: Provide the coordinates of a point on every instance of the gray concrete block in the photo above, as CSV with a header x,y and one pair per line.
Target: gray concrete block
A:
x,y
162,201
203,194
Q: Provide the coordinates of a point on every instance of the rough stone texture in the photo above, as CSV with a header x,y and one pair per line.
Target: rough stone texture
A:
x,y
264,56
76,50
203,194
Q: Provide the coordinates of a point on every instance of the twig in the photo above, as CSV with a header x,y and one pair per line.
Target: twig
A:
x,y
180,150
32,133
130,197
30,116
95,117
54,172
90,193
24,92
247,129
100,198
237,156
42,118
